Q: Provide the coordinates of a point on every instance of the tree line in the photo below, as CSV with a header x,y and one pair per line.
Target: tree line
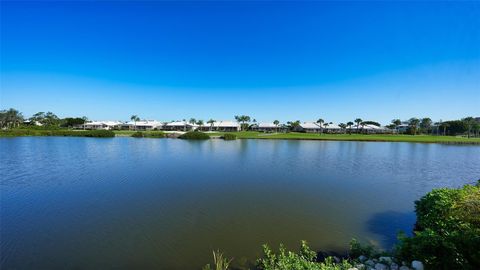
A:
x,y
469,126
12,118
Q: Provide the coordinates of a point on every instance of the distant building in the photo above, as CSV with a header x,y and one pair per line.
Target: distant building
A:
x,y
309,127
371,129
142,125
179,126
99,125
221,126
268,127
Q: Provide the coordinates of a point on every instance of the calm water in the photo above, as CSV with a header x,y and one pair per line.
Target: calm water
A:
x,y
84,203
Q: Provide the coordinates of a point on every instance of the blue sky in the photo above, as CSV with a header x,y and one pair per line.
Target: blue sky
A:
x,y
270,60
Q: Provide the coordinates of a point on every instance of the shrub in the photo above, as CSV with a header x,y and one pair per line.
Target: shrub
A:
x,y
154,134
229,136
305,259
138,134
194,135
447,233
357,249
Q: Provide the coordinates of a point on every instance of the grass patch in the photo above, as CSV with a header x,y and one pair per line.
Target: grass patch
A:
x,y
352,137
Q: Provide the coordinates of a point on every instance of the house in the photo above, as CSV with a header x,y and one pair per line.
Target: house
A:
x,y
309,127
142,125
97,125
179,126
221,126
370,129
268,127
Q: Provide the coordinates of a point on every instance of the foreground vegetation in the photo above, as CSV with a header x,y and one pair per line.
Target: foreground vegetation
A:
x,y
352,137
446,236
194,135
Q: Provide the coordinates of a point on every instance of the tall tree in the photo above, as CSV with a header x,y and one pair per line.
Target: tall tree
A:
x,y
10,118
426,124
243,119
200,124
349,125
343,126
211,122
470,122
358,121
276,122
135,119
413,124
293,124
320,122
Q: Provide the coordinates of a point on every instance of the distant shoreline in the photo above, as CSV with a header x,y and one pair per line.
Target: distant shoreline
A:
x,y
255,135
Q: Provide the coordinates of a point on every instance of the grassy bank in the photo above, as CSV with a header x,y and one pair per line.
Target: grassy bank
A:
x,y
250,135
353,137
57,132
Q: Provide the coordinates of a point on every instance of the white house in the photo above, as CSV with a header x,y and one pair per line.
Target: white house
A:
x,y
179,126
142,125
370,129
313,127
105,125
221,126
268,127
309,127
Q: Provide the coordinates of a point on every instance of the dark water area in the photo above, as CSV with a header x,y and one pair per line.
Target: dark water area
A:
x,y
123,203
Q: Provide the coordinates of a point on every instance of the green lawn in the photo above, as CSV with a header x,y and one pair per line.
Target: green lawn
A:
x,y
353,137
261,135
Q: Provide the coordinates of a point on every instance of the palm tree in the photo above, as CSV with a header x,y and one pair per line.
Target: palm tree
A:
x,y
243,119
342,126
192,121
211,122
320,122
326,125
276,122
358,121
349,125
134,118
200,124
413,123
293,125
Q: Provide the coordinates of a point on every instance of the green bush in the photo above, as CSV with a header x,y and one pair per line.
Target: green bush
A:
x,y
229,136
305,259
357,249
138,134
154,134
447,233
194,135
148,134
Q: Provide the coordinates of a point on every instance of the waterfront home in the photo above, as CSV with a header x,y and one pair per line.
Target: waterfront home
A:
x,y
371,129
142,125
221,126
99,125
179,126
309,127
268,127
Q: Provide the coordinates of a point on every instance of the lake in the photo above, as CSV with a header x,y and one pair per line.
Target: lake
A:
x,y
123,203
